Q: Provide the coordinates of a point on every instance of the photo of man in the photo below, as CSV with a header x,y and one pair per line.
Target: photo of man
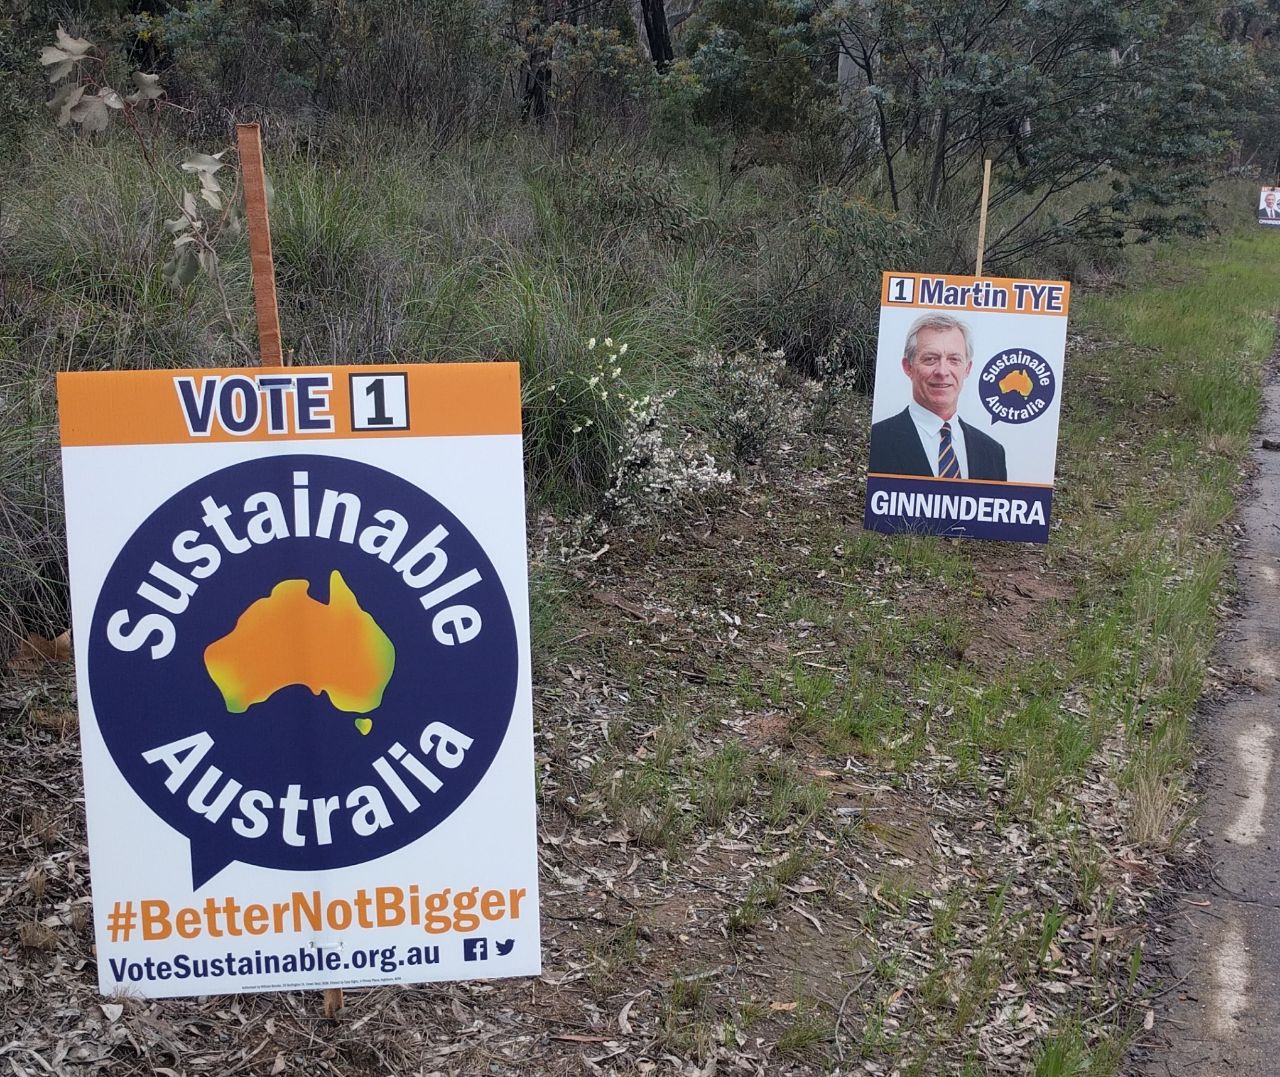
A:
x,y
928,437
1267,209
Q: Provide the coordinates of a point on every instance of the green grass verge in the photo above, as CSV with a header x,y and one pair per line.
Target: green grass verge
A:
x,y
1161,400
1181,391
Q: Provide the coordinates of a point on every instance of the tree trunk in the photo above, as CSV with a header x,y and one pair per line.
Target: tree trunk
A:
x,y
642,35
657,32
536,76
537,85
937,174
675,19
846,75
887,154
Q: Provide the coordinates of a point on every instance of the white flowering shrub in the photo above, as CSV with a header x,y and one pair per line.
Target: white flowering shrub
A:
x,y
575,412
836,379
753,398
659,468
618,453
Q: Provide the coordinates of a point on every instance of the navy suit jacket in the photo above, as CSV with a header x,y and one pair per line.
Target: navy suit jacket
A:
x,y
896,450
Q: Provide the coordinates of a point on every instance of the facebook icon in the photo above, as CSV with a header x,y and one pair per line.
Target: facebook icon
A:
x,y
475,949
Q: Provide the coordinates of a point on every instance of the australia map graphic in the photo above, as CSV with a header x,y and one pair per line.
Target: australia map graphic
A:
x,y
1016,381
337,648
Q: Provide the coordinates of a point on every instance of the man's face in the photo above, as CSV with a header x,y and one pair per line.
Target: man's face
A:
x,y
938,371
1270,200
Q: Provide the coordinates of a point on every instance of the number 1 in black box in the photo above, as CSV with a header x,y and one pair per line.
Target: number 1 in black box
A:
x,y
902,290
379,402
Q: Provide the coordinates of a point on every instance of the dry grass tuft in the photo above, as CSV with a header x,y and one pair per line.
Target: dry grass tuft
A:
x,y
35,936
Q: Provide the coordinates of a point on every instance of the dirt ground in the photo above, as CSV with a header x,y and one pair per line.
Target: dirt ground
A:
x,y
723,890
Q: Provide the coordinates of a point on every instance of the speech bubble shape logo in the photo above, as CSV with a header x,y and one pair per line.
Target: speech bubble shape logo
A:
x,y
1017,386
303,663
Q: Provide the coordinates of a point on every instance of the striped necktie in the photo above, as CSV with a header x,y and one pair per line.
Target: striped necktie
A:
x,y
948,465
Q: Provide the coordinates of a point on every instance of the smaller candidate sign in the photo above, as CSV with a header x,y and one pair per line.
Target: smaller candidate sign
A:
x,y
968,390
302,654
1269,206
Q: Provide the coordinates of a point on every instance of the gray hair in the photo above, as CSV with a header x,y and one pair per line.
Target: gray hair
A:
x,y
940,323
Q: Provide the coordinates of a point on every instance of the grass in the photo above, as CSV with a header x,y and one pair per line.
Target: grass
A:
x,y
32,559
685,1017
1103,688
791,797
880,679
809,1029
725,783
1189,360
498,247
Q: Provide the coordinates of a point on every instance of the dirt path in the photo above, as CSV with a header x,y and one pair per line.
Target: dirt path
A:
x,y
1223,1015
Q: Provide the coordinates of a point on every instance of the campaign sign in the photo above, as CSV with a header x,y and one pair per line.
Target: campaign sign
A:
x,y
300,610
1269,207
964,423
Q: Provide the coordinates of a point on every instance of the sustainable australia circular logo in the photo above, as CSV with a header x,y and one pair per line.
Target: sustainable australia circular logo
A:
x,y
302,662
1017,386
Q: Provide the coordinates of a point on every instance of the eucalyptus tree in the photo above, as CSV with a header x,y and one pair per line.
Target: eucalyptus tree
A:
x,y
1125,104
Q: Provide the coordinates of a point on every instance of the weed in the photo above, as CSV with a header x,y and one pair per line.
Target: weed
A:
x,y
791,796
725,783
612,954
35,936
684,1018
546,612
1158,813
808,1029
765,890
1051,924
646,799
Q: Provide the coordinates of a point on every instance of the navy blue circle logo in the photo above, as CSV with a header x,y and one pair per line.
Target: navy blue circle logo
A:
x,y
1017,386
302,662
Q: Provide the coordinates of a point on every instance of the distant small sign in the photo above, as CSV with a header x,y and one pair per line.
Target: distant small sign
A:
x,y
1269,207
965,417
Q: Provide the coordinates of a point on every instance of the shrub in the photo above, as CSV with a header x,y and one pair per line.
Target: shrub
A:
x,y
17,86
819,286
612,195
748,402
33,584
437,65
433,64
658,468
585,73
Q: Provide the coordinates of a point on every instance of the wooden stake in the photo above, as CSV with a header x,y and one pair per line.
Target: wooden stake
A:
x,y
332,1002
249,136
982,216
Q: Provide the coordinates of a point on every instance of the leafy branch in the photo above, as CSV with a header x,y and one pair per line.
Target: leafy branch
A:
x,y
89,101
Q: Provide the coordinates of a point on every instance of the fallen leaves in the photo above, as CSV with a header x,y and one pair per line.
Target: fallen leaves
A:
x,y
671,660
35,650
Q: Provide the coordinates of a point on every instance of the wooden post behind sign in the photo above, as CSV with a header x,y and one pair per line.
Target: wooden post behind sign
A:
x,y
982,216
249,136
332,1002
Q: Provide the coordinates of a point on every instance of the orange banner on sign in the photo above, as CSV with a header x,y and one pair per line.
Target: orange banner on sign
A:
x,y
171,407
1000,295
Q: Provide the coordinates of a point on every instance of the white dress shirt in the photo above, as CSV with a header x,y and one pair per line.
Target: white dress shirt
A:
x,y
929,427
